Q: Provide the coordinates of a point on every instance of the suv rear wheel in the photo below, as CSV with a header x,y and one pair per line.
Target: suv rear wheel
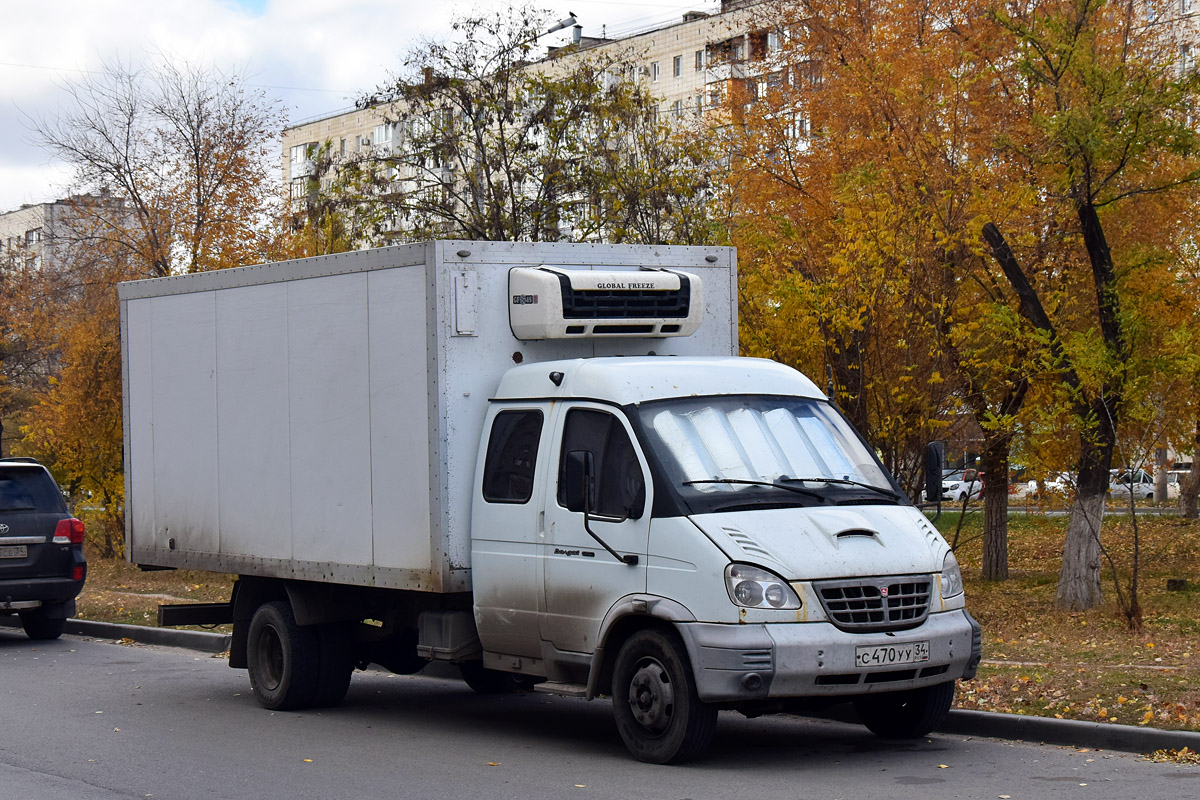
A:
x,y
39,626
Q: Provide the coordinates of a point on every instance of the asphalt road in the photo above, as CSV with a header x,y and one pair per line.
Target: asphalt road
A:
x,y
93,720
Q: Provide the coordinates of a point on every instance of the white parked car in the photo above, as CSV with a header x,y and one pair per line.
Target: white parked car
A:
x,y
962,485
1061,484
1138,482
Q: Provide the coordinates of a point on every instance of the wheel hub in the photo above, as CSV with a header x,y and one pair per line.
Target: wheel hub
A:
x,y
652,695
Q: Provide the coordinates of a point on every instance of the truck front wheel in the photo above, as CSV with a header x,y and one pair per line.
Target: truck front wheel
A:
x,y
905,715
658,712
283,658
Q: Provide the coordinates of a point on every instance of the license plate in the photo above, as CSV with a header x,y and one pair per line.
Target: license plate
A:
x,y
13,551
885,655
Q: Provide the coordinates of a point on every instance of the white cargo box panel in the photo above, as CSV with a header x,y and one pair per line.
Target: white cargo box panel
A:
x,y
320,419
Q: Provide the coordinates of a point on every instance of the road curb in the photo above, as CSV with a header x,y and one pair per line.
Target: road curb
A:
x,y
1073,732
203,641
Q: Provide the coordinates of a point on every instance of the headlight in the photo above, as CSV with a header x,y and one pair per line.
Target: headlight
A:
x,y
952,584
754,587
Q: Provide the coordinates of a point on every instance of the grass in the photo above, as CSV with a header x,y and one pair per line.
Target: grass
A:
x,y
117,591
1087,665
1037,660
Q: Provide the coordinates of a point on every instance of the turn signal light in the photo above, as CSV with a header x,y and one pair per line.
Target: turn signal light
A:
x,y
68,531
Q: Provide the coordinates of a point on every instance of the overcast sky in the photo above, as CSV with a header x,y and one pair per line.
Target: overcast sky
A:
x,y
315,56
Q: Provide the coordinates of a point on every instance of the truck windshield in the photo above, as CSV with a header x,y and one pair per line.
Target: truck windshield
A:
x,y
720,453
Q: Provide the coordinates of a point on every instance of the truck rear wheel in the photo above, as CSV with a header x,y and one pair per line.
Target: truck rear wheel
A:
x,y
40,627
658,712
336,642
905,715
283,658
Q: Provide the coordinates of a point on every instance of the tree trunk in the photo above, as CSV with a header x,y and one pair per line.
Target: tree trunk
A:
x,y
1189,485
1160,476
845,357
994,463
1079,578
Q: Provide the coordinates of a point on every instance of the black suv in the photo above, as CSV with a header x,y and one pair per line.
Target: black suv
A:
x,y
41,549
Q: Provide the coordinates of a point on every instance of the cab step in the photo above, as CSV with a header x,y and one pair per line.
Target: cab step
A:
x,y
564,689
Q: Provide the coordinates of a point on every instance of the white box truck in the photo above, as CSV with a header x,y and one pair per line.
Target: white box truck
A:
x,y
542,462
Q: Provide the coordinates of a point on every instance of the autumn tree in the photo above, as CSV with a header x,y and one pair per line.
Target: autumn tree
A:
x,y
489,143
28,300
860,175
186,152
1106,129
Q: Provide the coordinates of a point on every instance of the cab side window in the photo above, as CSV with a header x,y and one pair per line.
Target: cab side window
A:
x,y
512,456
620,486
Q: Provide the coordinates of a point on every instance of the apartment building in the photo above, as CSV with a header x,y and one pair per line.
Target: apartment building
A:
x,y
39,235
27,234
688,65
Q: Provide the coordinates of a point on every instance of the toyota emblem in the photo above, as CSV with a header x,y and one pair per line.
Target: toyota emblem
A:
x,y
3,528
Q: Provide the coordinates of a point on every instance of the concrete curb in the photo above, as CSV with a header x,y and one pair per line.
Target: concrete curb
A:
x,y
1076,733
203,641
960,722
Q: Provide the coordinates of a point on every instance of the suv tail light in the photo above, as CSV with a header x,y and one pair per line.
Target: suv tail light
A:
x,y
68,531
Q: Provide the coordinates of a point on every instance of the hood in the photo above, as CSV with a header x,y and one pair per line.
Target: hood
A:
x,y
821,543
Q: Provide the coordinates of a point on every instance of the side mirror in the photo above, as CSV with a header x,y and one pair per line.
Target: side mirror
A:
x,y
580,481
935,459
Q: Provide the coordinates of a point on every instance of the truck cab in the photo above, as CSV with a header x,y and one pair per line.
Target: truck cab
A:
x,y
690,534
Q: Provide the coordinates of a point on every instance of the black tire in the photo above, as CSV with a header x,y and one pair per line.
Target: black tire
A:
x,y
336,642
40,627
493,681
905,715
283,658
658,712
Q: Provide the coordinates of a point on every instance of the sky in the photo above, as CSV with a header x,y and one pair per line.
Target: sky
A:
x,y
314,56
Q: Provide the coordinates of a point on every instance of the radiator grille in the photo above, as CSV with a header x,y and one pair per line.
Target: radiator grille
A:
x,y
625,303
880,604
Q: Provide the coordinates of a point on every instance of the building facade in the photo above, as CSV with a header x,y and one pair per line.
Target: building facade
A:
x,y
688,65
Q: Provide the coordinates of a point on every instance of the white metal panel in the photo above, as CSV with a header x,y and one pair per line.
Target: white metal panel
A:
x,y
183,381
330,420
139,427
400,475
253,432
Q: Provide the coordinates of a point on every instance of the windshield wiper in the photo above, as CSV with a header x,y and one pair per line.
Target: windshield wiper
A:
x,y
848,482
741,482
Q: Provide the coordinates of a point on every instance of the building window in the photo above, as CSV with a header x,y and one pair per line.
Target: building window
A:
x,y
700,104
677,109
32,237
1185,6
699,60
677,66
772,41
381,137
301,159
654,71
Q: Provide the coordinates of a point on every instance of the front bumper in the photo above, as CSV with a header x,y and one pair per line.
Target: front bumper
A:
x,y
814,659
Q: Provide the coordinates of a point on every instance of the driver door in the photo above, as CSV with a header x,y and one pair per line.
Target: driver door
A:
x,y
582,579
